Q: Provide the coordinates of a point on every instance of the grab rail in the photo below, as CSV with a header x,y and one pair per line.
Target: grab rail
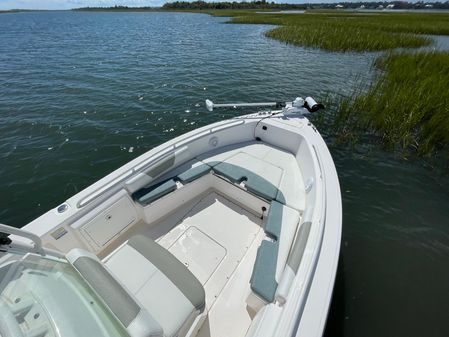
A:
x,y
37,242
176,148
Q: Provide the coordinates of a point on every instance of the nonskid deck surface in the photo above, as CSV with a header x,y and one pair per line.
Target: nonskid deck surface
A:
x,y
213,225
217,240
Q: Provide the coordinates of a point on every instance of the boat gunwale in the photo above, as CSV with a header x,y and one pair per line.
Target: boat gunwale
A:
x,y
158,157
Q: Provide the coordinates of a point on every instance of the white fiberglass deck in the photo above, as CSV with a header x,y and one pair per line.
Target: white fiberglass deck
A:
x,y
217,238
230,235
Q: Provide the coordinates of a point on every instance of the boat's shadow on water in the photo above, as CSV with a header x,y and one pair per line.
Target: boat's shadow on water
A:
x,y
336,316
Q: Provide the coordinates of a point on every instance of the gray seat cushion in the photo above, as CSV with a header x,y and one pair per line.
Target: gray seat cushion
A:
x,y
166,289
236,174
253,182
135,319
194,173
261,187
147,195
263,279
113,294
171,267
273,225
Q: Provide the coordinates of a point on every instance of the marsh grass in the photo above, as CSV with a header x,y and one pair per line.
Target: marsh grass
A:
x,y
343,39
346,31
407,106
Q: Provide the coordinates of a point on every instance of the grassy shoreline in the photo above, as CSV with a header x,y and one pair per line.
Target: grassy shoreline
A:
x,y
407,105
347,31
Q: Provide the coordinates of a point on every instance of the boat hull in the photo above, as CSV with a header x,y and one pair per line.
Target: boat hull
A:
x,y
304,287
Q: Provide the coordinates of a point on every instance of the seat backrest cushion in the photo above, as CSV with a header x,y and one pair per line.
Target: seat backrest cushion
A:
x,y
280,227
147,195
194,173
172,268
137,321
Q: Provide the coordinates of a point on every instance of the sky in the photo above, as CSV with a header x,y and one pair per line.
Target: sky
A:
x,y
67,4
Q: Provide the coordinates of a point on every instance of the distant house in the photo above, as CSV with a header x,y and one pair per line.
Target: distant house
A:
x,y
362,7
339,6
380,7
428,6
390,6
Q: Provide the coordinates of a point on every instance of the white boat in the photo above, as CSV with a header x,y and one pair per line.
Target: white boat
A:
x,y
232,229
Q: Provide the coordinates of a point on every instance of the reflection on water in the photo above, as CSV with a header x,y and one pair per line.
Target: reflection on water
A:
x,y
395,248
441,42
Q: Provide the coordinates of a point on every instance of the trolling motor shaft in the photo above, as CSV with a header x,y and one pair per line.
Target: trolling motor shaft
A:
x,y
309,103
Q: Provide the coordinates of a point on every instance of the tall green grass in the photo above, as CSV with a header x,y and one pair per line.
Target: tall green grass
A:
x,y
348,31
343,39
408,105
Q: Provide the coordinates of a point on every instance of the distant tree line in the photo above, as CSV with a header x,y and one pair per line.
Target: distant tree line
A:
x,y
200,5
117,8
230,5
203,5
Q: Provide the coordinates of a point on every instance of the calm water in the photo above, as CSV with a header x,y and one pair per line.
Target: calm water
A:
x,y
83,93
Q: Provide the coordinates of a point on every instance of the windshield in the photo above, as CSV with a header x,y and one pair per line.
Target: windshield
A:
x,y
46,297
